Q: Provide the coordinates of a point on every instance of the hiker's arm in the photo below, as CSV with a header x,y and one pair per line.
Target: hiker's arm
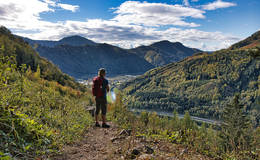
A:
x,y
107,88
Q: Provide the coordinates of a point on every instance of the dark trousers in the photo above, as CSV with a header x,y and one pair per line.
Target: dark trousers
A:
x,y
101,104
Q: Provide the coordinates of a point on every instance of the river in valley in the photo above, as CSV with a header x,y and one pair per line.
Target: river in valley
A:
x,y
170,114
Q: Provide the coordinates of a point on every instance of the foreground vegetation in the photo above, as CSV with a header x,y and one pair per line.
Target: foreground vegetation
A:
x,y
38,116
236,139
41,109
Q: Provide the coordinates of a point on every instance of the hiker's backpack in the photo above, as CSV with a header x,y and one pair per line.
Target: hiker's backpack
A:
x,y
97,87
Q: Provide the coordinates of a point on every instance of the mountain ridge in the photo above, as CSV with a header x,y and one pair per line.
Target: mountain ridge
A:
x,y
164,52
82,61
74,40
250,42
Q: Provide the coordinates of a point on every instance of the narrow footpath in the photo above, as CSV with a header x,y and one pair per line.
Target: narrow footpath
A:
x,y
115,144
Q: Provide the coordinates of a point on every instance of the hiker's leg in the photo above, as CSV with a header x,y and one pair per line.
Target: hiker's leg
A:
x,y
104,110
96,118
104,118
97,109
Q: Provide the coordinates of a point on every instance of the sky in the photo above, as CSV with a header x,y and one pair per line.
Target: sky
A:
x,y
204,24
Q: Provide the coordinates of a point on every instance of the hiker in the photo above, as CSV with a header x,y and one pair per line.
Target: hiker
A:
x,y
99,89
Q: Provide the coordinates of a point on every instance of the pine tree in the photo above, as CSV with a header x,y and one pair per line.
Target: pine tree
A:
x,y
37,74
28,71
187,122
175,120
236,128
144,118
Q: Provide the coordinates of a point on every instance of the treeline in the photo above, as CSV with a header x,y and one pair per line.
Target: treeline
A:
x,y
236,139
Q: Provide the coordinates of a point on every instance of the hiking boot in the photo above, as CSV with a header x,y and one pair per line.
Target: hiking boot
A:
x,y
97,124
104,125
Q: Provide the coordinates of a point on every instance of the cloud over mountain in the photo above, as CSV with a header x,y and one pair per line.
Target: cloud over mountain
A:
x,y
133,23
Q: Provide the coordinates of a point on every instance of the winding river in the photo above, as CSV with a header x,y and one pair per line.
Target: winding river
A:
x,y
163,113
170,114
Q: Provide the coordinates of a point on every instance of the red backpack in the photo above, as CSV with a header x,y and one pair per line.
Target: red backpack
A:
x,y
97,87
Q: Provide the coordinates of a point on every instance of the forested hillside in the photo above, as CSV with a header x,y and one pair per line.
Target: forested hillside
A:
x,y
201,84
41,109
12,45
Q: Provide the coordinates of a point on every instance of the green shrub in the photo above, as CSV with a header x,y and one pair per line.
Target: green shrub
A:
x,y
37,116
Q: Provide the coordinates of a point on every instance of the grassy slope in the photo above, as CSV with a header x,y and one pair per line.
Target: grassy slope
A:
x,y
40,107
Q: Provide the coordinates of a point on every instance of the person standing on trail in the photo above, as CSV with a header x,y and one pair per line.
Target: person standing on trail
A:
x,y
99,89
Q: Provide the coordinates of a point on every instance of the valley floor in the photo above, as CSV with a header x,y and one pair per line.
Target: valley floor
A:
x,y
115,143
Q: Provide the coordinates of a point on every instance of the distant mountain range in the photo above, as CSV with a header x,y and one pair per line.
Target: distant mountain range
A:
x,y
203,83
164,52
81,58
84,61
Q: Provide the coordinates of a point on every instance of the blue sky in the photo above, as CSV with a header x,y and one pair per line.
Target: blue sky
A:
x,y
203,24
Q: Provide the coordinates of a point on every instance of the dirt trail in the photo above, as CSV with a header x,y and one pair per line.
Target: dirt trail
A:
x,y
115,144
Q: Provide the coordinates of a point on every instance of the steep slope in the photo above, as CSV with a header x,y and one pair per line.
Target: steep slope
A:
x,y
84,61
41,108
201,84
71,40
164,52
252,41
12,45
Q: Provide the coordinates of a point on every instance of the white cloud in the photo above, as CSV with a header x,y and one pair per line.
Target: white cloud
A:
x,y
134,24
25,15
194,38
50,2
69,7
128,36
218,4
186,2
156,14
